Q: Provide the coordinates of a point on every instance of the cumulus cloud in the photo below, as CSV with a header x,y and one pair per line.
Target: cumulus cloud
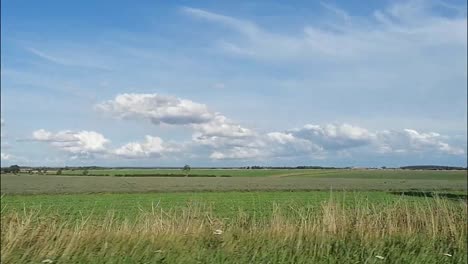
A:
x,y
334,136
225,139
174,111
89,143
220,126
157,108
318,142
221,139
81,142
270,145
312,141
151,147
410,140
238,153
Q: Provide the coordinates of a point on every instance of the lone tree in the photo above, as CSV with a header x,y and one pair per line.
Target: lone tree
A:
x,y
85,172
14,169
186,169
59,172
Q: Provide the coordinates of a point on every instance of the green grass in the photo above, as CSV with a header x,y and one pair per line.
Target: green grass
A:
x,y
222,204
274,227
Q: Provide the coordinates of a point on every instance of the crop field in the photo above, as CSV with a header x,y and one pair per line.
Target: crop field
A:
x,y
253,216
221,204
318,173
235,180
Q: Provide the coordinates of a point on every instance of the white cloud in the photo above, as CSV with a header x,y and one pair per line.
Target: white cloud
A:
x,y
173,111
5,156
333,136
2,122
70,59
82,142
228,140
151,147
245,27
42,135
220,126
238,153
270,145
157,108
410,140
220,138
318,142
312,141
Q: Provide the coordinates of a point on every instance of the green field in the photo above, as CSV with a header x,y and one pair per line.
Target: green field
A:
x,y
245,227
253,216
239,180
319,173
222,204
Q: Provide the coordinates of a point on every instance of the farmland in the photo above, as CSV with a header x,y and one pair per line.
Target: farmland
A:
x,y
235,216
232,180
318,173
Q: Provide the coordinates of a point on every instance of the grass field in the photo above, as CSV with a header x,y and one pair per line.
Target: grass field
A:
x,y
276,227
254,216
221,204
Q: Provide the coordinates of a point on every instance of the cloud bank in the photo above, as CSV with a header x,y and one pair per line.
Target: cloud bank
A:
x,y
225,139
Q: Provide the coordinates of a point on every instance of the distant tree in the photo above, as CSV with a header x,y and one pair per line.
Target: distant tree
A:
x,y
186,169
59,172
42,170
14,169
85,172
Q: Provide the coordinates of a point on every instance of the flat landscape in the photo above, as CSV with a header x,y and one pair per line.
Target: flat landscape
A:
x,y
257,132
230,180
235,215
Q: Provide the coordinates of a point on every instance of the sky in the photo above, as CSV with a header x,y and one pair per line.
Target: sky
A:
x,y
234,83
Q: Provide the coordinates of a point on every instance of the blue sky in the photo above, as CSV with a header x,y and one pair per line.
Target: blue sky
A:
x,y
218,83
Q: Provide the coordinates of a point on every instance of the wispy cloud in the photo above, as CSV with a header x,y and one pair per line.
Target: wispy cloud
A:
x,y
396,31
85,60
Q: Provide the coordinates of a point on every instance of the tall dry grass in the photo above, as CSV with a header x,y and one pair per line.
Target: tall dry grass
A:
x,y
433,231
